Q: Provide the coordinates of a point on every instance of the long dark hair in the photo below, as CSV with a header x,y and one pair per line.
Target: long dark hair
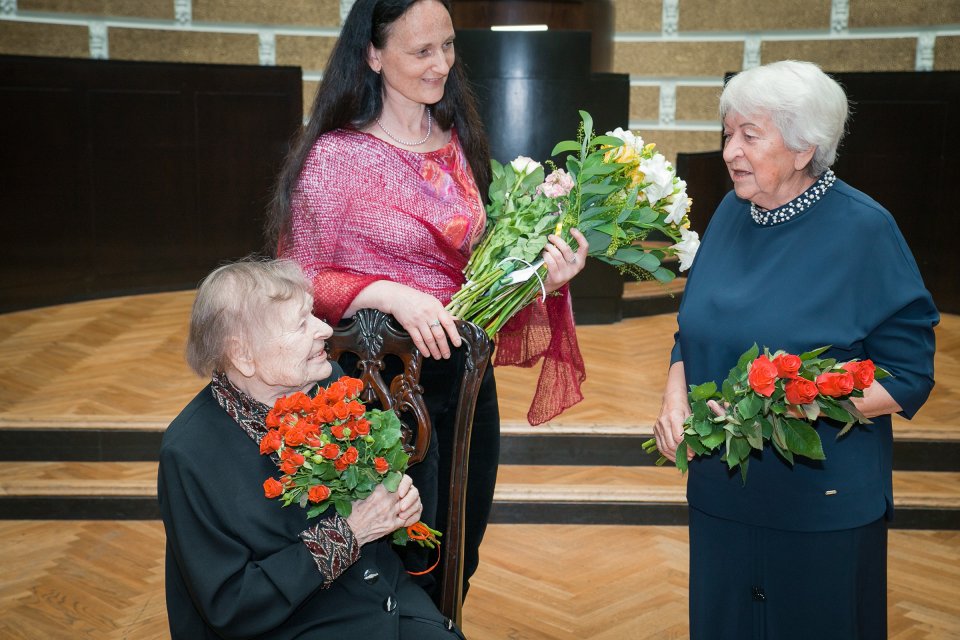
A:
x,y
351,96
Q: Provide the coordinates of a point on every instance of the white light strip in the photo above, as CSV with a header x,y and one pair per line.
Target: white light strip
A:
x,y
518,27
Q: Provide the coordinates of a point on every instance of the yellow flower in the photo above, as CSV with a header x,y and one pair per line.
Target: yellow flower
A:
x,y
649,148
624,154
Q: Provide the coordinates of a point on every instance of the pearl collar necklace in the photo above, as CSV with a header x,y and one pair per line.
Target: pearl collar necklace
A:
x,y
770,217
404,142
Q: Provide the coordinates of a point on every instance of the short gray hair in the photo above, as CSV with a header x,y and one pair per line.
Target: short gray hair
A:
x,y
232,302
808,107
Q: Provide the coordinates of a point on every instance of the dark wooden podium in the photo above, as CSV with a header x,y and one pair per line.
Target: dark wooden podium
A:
x,y
131,177
530,86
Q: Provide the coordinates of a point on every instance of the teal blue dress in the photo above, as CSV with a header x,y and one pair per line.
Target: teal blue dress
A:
x,y
838,273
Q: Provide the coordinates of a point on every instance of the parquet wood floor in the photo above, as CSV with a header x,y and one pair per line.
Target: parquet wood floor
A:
x,y
119,361
103,580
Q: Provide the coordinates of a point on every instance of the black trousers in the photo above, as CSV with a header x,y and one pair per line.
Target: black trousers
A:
x,y
755,583
441,386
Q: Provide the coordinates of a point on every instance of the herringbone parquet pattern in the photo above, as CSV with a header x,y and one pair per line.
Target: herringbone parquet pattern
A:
x,y
88,580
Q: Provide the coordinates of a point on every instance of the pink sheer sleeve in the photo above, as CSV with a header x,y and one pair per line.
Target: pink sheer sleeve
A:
x,y
546,330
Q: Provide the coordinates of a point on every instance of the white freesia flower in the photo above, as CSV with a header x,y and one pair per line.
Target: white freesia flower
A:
x,y
629,138
658,172
687,247
677,208
524,166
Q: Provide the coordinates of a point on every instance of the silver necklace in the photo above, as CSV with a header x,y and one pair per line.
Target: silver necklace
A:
x,y
770,217
404,142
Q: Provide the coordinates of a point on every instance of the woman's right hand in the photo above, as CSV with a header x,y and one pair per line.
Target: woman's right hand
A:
x,y
381,513
421,315
674,410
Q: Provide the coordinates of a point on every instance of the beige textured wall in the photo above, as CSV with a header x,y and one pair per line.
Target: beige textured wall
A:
x,y
676,51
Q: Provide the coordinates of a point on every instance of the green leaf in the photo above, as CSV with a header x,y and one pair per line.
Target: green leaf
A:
x,y
704,391
344,507
748,356
728,393
749,406
810,355
713,440
694,443
751,431
607,140
391,482
566,145
802,439
601,189
663,275
880,373
834,411
743,470
682,456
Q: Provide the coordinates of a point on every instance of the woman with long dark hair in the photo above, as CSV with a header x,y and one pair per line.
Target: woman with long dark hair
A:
x,y
380,202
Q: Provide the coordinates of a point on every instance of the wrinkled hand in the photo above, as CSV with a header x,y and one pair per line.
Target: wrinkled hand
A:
x,y
431,326
381,513
562,262
668,429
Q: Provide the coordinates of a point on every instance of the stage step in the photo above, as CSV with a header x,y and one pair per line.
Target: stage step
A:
x,y
917,447
525,494
650,298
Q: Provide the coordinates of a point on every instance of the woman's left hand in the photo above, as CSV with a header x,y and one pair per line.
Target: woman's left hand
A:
x,y
562,262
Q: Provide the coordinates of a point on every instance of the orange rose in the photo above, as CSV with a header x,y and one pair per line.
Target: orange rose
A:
x,y
330,451
350,455
294,437
361,427
787,365
354,386
800,391
762,376
340,464
381,465
272,488
835,385
341,410
356,409
337,431
862,372
270,442
336,392
318,493
323,414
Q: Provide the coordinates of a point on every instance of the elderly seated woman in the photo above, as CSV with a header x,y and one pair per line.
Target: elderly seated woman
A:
x,y
239,565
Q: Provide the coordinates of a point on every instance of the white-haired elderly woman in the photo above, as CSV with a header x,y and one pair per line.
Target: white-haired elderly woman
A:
x,y
796,259
239,565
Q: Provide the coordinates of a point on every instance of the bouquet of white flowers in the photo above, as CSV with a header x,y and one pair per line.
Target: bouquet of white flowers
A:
x,y
615,190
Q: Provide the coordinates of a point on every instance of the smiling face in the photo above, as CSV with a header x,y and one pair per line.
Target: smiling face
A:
x,y
764,171
288,351
417,56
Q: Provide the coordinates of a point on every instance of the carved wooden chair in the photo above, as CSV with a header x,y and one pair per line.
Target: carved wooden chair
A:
x,y
372,336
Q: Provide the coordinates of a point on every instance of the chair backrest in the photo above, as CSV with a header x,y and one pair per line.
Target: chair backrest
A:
x,y
372,336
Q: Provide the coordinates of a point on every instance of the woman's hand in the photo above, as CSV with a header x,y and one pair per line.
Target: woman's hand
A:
x,y
382,512
421,315
674,410
562,262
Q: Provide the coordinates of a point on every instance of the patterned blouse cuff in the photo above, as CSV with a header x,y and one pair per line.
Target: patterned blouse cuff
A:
x,y
333,546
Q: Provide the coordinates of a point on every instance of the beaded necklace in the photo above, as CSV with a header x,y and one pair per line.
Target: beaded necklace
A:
x,y
770,217
404,142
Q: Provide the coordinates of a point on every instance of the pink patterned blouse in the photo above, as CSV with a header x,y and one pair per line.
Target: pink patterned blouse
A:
x,y
365,210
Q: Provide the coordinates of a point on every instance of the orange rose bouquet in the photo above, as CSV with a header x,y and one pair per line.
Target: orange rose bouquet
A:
x,y
332,451
773,398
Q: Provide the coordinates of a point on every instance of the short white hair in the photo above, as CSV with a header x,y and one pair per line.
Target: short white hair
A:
x,y
808,107
236,300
